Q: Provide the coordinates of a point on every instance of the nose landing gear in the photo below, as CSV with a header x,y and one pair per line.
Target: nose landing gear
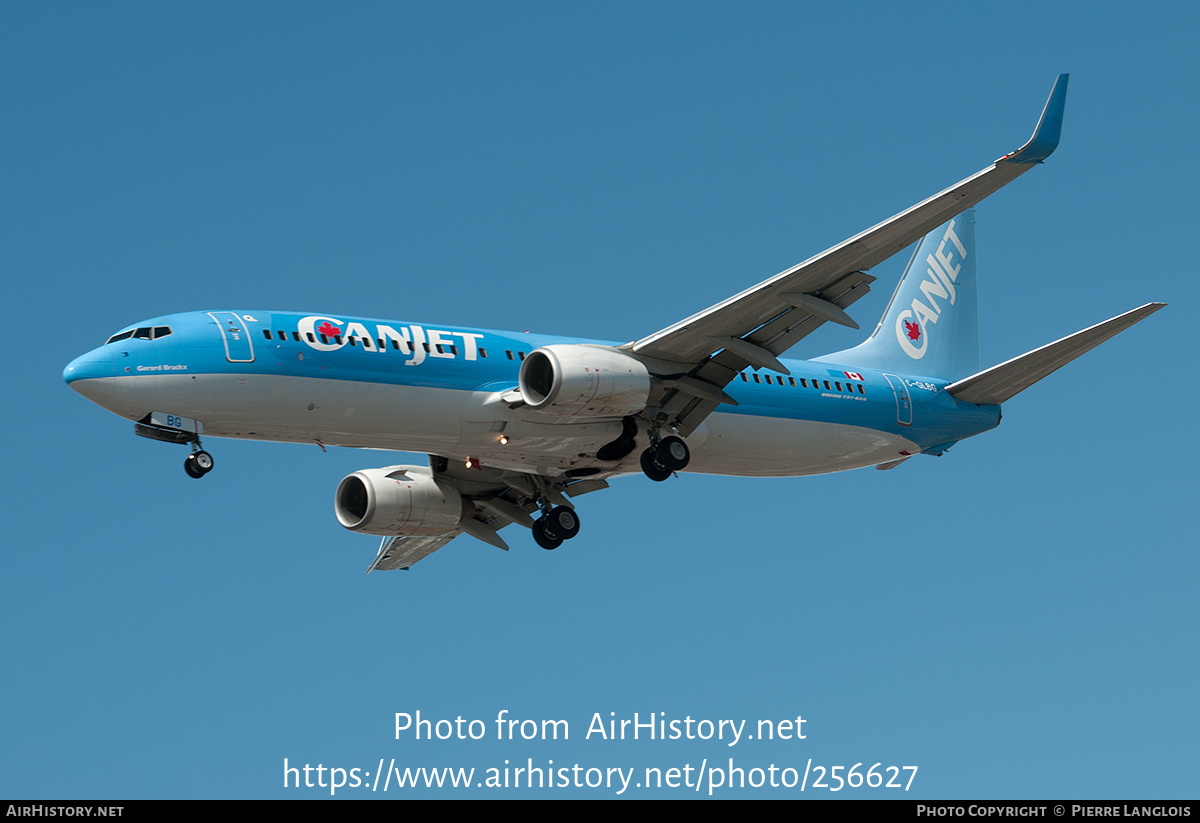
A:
x,y
173,428
198,463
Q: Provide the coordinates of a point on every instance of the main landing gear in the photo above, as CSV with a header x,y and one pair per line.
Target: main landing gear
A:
x,y
664,458
198,463
559,524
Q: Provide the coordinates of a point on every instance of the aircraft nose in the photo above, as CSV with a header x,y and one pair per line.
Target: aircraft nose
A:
x,y
91,375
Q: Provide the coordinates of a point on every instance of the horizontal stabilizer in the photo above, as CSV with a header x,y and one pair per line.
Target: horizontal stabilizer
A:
x,y
999,383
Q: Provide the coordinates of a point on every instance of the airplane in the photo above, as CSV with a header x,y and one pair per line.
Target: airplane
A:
x,y
518,426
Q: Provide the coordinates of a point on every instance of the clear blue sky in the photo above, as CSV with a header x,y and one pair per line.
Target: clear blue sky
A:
x,y
1017,618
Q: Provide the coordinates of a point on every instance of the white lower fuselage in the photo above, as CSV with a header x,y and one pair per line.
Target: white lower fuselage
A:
x,y
461,424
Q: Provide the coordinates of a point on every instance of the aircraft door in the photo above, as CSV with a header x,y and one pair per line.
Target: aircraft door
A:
x,y
238,346
904,411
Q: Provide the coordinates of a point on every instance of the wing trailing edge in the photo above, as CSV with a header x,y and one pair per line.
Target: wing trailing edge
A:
x,y
999,383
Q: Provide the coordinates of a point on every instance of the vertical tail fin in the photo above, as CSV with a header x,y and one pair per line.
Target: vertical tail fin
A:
x,y
931,326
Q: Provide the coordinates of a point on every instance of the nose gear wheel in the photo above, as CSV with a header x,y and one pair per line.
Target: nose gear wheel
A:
x,y
198,464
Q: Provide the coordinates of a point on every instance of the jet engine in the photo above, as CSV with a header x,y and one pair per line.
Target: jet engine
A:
x,y
574,381
397,500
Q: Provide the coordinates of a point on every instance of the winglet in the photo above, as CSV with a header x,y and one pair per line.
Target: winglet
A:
x,y
1049,128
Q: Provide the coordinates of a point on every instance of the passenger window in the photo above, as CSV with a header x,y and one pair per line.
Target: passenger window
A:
x,y
267,333
482,351
521,355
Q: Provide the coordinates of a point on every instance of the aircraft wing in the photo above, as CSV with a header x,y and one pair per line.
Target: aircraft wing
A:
x,y
402,552
753,327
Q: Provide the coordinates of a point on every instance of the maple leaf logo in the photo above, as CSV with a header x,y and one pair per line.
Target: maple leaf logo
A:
x,y
913,329
328,329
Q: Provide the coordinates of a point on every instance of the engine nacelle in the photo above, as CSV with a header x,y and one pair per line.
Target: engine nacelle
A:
x,y
584,381
397,500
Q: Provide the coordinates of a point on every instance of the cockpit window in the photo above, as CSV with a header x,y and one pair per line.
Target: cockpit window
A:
x,y
144,333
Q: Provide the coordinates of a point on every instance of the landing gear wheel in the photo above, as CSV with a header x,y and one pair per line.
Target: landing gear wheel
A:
x,y
198,464
547,540
563,522
191,468
672,453
652,468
